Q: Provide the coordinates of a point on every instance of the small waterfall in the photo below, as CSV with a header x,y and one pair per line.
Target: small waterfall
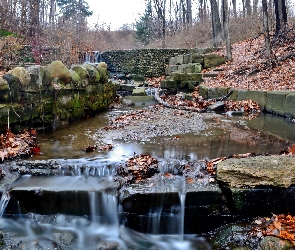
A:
x,y
4,201
93,57
180,186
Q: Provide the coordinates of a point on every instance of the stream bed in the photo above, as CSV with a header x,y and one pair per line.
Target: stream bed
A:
x,y
186,136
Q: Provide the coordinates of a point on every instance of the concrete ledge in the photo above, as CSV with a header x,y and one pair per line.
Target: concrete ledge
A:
x,y
290,105
257,96
280,103
276,102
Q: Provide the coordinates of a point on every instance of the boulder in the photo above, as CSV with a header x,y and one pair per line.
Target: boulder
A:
x,y
4,90
213,60
277,171
82,73
22,74
40,78
59,70
271,242
75,79
93,74
102,70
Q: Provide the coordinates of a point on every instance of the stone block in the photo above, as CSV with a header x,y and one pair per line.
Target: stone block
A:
x,y
290,105
139,92
257,96
222,91
192,68
263,201
179,59
187,58
276,102
242,94
234,95
203,91
127,87
172,61
168,84
213,93
197,58
213,60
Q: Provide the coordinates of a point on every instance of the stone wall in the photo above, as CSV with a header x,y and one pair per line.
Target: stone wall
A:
x,y
48,97
146,62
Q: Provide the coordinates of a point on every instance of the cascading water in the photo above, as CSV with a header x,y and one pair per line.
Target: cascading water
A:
x,y
94,57
4,201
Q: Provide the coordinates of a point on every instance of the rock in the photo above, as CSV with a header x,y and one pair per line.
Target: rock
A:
x,y
213,60
75,78
82,73
139,92
127,102
102,65
217,106
40,78
278,171
102,69
58,69
22,74
93,74
270,243
4,90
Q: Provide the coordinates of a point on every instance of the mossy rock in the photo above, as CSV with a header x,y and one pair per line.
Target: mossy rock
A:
x,y
4,91
58,69
40,78
75,79
102,65
103,74
213,60
93,74
22,74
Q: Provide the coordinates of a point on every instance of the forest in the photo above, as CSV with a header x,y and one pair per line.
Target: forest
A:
x,y
64,25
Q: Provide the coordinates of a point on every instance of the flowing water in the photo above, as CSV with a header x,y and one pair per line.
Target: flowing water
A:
x,y
103,227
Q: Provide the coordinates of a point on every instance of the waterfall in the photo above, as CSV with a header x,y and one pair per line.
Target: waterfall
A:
x,y
94,57
4,201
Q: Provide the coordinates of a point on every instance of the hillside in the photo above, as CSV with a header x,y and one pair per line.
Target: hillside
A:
x,y
249,68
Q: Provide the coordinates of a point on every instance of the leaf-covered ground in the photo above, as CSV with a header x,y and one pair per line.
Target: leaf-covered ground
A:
x,y
250,69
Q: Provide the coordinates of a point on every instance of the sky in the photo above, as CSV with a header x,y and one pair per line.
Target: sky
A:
x,y
115,12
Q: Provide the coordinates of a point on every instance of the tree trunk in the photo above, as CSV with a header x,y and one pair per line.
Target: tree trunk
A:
x,y
234,2
268,52
226,29
248,7
216,25
281,14
189,12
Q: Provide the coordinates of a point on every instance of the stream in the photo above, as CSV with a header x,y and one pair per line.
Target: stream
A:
x,y
99,226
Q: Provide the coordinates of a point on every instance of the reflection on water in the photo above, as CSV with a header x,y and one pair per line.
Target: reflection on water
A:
x,y
71,141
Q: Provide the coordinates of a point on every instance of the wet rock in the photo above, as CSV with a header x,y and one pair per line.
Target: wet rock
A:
x,y
139,92
217,106
127,102
41,78
22,74
235,236
4,90
277,171
75,78
59,70
93,74
82,72
270,243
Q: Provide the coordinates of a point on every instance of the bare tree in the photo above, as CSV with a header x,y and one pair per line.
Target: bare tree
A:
x,y
281,14
225,20
216,24
268,51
